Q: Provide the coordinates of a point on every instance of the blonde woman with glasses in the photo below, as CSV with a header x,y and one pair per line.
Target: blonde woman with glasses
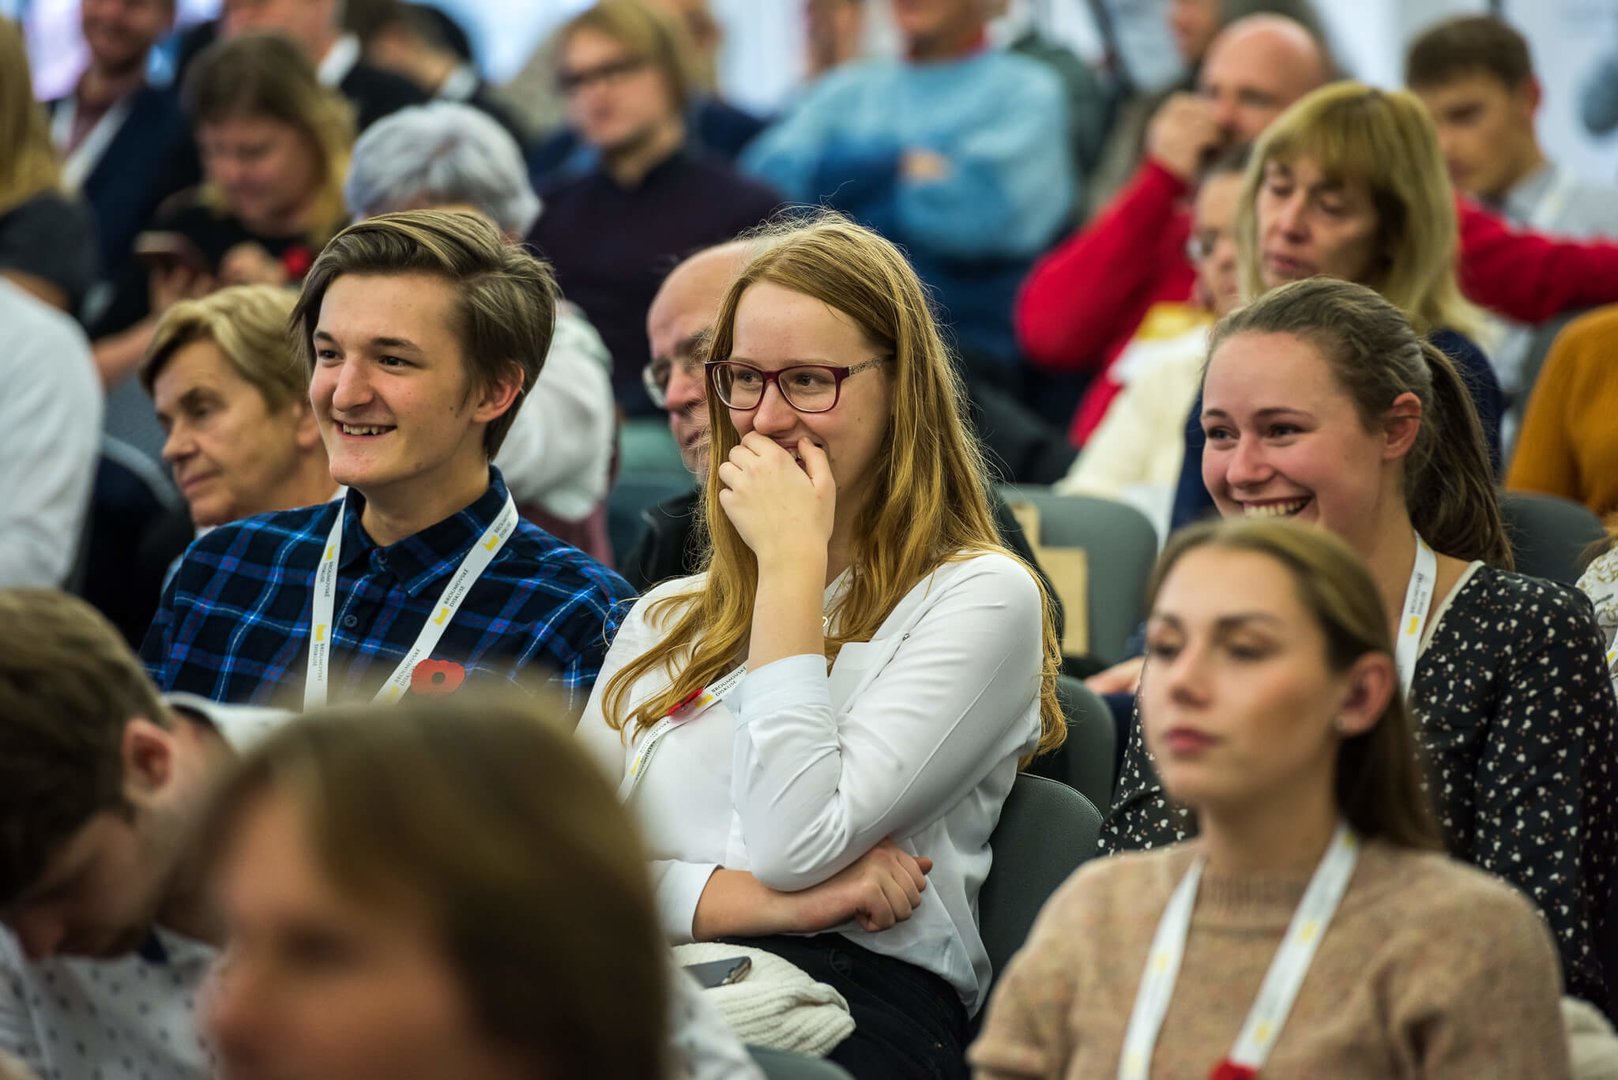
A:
x,y
818,730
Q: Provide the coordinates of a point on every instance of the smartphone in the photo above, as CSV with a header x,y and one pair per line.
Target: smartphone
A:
x,y
712,973
164,251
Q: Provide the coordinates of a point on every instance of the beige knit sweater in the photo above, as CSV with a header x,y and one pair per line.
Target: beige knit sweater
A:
x,y
1430,969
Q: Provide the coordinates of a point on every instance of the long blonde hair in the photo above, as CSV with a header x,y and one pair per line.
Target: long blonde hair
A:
x,y
28,164
1386,141
928,501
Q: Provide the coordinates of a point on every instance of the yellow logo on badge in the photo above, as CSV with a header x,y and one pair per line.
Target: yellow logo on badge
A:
x,y
443,613
492,543
320,632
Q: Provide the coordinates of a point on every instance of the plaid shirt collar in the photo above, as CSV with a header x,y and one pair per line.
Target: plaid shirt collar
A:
x,y
422,561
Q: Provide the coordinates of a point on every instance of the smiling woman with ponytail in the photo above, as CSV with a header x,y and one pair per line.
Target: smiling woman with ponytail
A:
x,y
1321,403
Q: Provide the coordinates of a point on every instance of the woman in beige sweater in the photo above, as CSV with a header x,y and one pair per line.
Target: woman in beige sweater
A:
x,y
1272,705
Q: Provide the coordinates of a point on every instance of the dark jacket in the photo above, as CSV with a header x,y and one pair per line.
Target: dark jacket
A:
x,y
150,158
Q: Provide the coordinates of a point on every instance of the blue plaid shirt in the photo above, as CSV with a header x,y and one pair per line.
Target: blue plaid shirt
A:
x,y
234,622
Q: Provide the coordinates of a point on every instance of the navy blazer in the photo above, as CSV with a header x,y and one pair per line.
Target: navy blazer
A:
x,y
150,158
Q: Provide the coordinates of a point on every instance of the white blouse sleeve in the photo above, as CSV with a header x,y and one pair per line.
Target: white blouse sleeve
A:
x,y
815,788
677,885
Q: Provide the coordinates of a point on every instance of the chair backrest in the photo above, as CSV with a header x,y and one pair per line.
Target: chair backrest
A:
x,y
1087,760
1548,533
629,496
645,446
1046,831
1120,546
784,1065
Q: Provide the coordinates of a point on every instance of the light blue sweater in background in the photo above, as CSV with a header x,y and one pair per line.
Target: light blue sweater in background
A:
x,y
998,119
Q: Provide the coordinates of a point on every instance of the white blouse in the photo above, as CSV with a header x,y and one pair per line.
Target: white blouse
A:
x,y
913,735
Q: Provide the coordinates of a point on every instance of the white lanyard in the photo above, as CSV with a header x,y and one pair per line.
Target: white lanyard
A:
x,y
1548,211
1281,983
1413,623
460,84
681,713
472,566
80,162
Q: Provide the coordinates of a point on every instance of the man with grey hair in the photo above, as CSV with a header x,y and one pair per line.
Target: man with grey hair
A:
x,y
449,156
678,325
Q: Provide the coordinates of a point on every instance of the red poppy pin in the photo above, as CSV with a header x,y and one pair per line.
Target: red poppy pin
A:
x,y
1229,1070
436,677
296,260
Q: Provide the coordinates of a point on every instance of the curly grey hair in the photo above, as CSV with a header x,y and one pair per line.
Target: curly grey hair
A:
x,y
442,154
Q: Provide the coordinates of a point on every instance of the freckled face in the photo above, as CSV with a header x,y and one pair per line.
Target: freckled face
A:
x,y
777,328
1284,439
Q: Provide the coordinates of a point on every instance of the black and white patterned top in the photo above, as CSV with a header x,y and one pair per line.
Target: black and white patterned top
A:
x,y
1516,715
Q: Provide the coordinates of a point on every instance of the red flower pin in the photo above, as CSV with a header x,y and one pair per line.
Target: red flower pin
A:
x,y
1229,1070
436,677
297,259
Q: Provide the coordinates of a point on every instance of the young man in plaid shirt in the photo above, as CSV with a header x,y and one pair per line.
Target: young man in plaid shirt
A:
x,y
422,331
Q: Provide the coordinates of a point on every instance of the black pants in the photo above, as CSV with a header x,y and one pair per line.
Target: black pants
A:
x,y
908,1023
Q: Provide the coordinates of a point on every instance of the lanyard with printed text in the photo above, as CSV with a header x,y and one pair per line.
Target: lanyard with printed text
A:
x,y
1281,983
472,566
682,712
1413,622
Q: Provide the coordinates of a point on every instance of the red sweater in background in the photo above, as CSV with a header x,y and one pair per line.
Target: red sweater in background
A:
x,y
1083,302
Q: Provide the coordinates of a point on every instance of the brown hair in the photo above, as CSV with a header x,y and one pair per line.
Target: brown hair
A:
x,y
1468,45
1378,772
28,164
1375,355
248,324
927,504
68,685
644,30
505,308
1386,141
485,816
264,75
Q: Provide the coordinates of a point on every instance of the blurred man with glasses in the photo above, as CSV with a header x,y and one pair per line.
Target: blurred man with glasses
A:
x,y
678,324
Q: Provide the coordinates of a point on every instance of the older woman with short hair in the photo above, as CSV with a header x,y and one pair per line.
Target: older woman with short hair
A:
x,y
234,406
